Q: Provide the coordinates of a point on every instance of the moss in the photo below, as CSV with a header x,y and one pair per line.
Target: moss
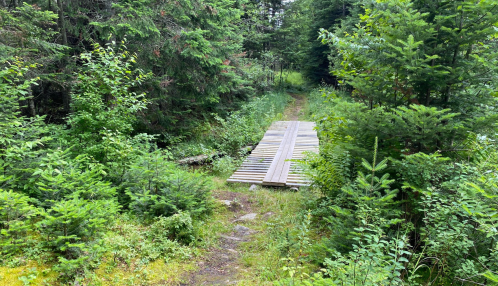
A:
x,y
36,274
157,272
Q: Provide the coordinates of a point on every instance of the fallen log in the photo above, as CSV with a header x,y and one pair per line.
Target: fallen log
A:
x,y
202,159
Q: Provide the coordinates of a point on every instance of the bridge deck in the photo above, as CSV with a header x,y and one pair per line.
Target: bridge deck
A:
x,y
269,163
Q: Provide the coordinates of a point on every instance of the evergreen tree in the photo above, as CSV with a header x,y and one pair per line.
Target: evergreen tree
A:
x,y
438,55
326,14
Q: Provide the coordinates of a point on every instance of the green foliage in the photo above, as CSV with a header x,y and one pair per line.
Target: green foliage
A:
x,y
69,224
104,103
28,31
445,207
131,241
247,126
20,137
177,227
292,78
157,187
406,51
63,196
225,165
412,129
16,213
60,177
375,261
195,52
324,15
239,129
329,170
72,229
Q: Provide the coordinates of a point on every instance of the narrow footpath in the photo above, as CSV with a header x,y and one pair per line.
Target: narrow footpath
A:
x,y
249,223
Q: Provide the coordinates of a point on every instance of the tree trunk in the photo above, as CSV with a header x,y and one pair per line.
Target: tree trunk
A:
x,y
281,72
31,106
66,100
62,23
31,103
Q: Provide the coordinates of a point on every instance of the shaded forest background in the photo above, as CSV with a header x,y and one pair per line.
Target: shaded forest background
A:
x,y
203,58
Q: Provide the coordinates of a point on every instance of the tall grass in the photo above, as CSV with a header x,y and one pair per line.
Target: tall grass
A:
x,y
288,77
316,107
240,128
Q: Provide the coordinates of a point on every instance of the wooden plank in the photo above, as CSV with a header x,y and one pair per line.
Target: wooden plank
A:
x,y
269,164
277,174
287,163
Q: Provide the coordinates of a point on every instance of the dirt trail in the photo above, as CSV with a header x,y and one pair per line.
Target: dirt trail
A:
x,y
294,110
223,265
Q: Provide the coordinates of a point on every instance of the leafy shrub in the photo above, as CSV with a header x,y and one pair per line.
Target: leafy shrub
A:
x,y
69,223
72,228
177,227
103,102
240,128
329,170
21,138
225,164
191,148
130,241
157,187
248,125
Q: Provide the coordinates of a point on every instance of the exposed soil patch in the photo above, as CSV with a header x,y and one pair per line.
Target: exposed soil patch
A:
x,y
243,199
293,112
221,266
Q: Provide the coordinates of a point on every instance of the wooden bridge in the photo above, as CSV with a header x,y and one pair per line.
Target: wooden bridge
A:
x,y
269,164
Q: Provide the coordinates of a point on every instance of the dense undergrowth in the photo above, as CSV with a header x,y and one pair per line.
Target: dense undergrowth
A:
x,y
398,215
246,126
82,201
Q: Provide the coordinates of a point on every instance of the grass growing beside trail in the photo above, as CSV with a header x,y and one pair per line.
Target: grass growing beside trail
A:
x,y
243,127
260,260
277,244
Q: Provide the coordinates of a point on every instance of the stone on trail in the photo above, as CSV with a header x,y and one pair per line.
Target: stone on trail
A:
x,y
246,217
242,230
231,237
253,187
233,206
268,215
226,202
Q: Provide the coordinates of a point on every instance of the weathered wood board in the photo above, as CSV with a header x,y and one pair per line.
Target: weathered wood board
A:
x,y
269,164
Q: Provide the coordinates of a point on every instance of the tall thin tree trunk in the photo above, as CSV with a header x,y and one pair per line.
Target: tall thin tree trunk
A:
x,y
281,72
66,100
62,23
31,103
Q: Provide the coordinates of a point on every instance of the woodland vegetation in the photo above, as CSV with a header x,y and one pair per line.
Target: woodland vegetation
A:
x,y
98,99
